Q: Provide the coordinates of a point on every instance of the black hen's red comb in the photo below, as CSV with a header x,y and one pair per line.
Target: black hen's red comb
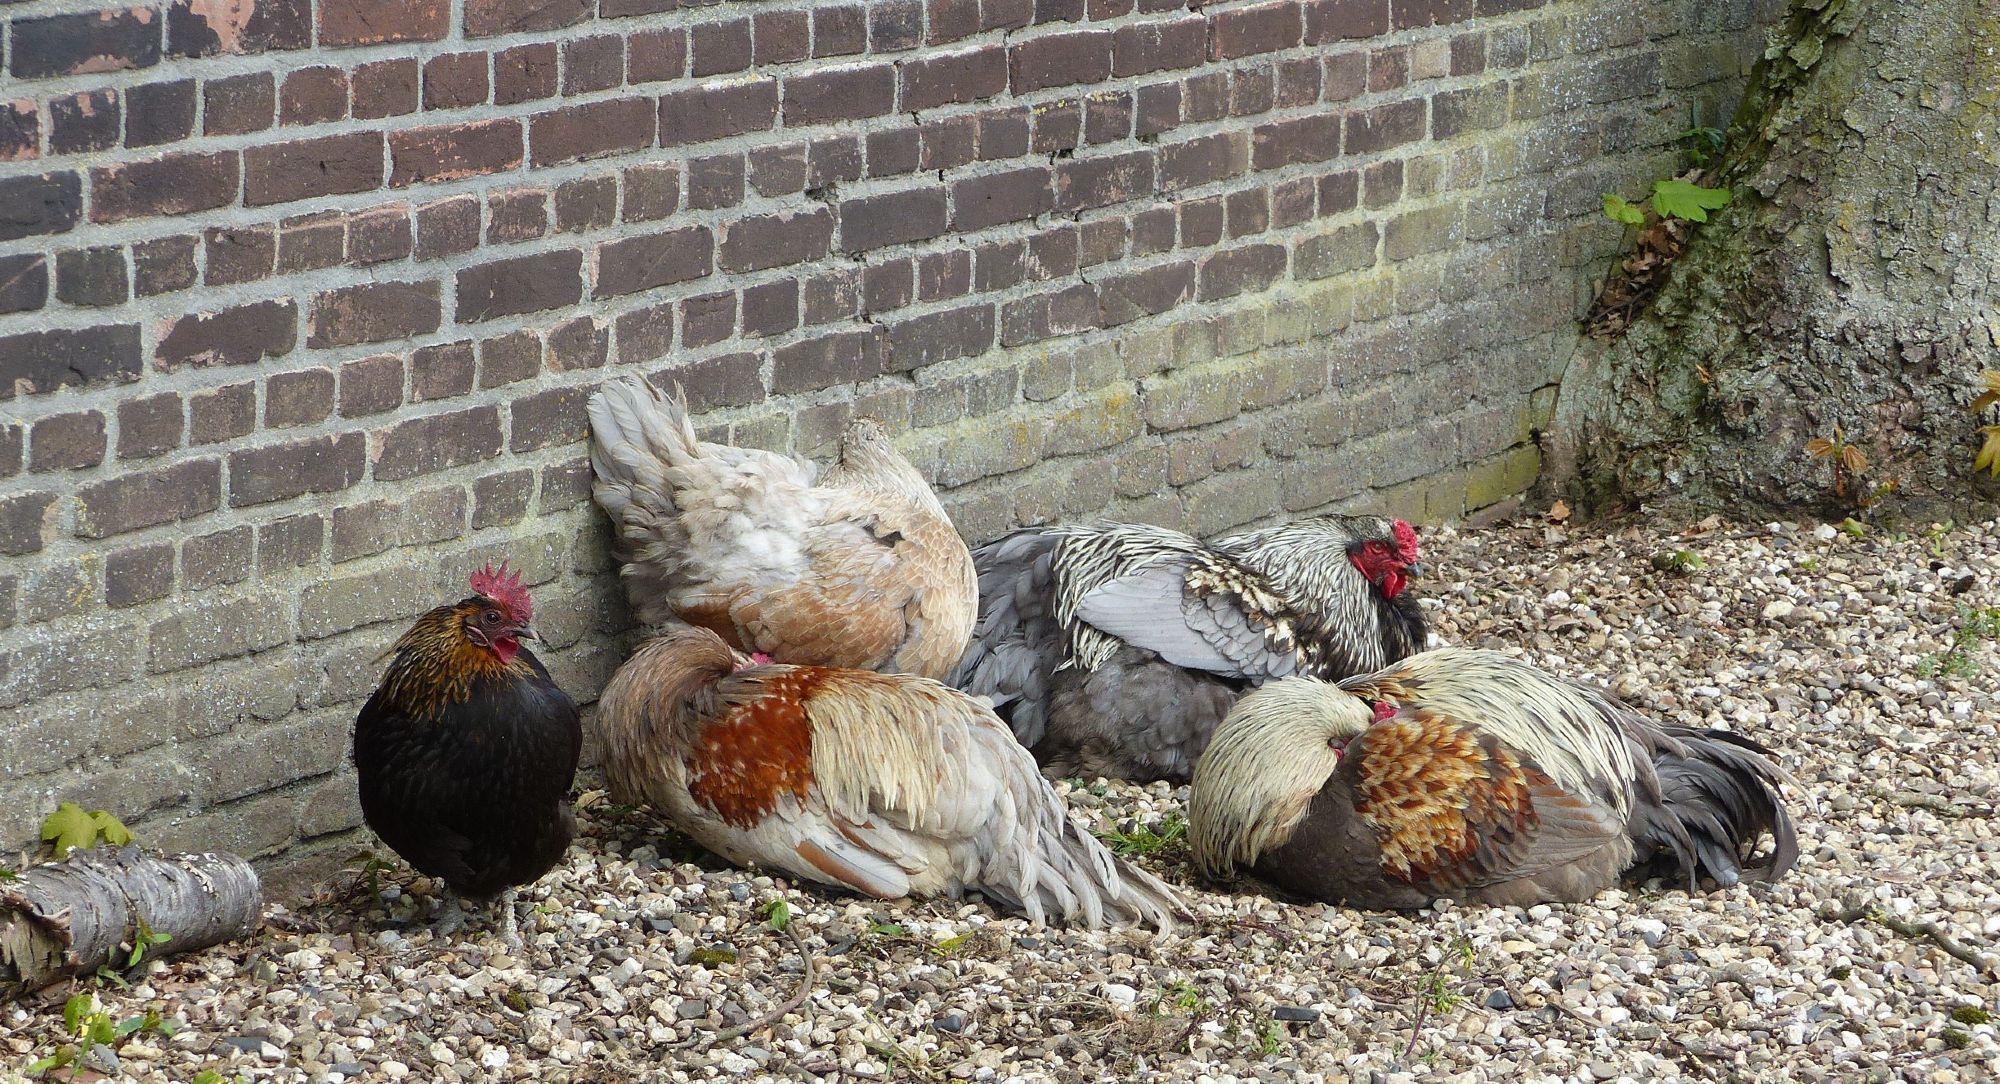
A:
x,y
1406,541
505,588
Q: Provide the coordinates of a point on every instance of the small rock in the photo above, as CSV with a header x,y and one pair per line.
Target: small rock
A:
x,y
1778,609
1298,1014
1500,1000
950,1022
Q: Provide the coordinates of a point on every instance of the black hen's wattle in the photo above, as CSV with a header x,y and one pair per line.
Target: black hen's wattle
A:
x,y
466,775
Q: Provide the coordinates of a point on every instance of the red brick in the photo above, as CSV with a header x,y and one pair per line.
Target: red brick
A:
x,y
935,79
488,18
236,336
373,385
619,9
24,523
586,203
1056,60
1260,28
501,499
135,501
1408,14
590,131
519,215
92,277
656,56
372,22
887,286
582,343
895,25
1044,316
548,419
757,242
440,372
1301,139
1388,69
313,96
282,471
448,227
651,192
1107,117
291,542
510,359
301,397
138,575
825,97
1054,11
1345,20
715,181
308,168
311,242
164,265
1238,270
373,312
174,184
66,441
721,381
238,255
720,48
1058,128
83,122
892,218
379,235
832,160
963,332
524,73
97,41
386,88
150,426
949,142
221,557
237,104
1248,212
780,37
1012,196
891,152
841,357
646,332
703,113
1202,160
522,284
839,30
438,442
631,264
455,81
593,64
448,152
1135,294
1385,126
20,130
708,318
1083,183
944,274
771,308
952,20
203,28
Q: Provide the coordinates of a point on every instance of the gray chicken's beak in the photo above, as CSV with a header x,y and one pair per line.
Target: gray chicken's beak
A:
x,y
1413,571
525,633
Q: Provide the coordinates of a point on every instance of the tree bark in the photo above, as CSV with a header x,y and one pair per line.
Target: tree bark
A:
x,y
1853,280
70,917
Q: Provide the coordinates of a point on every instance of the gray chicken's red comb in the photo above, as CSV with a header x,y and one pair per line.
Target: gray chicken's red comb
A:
x,y
1406,541
505,588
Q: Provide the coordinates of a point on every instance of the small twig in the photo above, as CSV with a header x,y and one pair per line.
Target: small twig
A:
x,y
798,998
1924,931
1553,999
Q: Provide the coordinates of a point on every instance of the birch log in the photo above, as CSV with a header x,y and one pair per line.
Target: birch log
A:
x,y
70,917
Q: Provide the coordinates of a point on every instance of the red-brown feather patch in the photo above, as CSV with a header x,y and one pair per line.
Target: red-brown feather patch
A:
x,y
1428,786
745,762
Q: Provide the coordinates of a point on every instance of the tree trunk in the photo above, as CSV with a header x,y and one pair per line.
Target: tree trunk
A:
x,y
1852,281
70,917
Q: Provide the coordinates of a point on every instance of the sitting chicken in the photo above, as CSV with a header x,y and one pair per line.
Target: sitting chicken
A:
x,y
1115,650
861,569
466,752
1470,775
883,784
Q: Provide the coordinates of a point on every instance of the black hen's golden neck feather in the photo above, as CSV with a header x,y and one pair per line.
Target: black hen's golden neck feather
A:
x,y
436,664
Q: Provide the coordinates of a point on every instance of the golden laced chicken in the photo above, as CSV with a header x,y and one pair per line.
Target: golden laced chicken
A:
x,y
1470,775
1115,650
883,784
466,752
859,569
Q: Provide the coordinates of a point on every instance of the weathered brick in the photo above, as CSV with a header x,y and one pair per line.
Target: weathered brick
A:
x,y
221,557
549,418
239,255
892,218
438,442
771,308
222,413
174,184
282,471
715,181
1259,28
1301,139
499,500
1431,230
947,78
106,41
632,264
844,357
199,28
373,22
134,501
1159,45
453,151
138,575
442,371
586,203
66,441
510,358
717,111
310,242
24,282
1202,160
372,385
93,277
1341,20
150,426
1056,60
591,131
1083,183
994,198
780,37
235,336
1414,13
1127,297
758,242
839,29
1042,316
708,318
581,343
518,285
373,312
302,397
524,73
839,94
37,362
941,336
84,122
593,64
895,25
313,96
720,47
948,142
20,130
455,81
308,168
489,18
23,520
652,192
386,88
1234,271
290,542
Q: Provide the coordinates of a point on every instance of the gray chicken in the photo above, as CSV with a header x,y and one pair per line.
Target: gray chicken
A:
x,y
1470,775
1116,649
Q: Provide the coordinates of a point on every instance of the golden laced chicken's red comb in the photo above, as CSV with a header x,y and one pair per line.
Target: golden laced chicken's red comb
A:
x,y
1406,541
505,588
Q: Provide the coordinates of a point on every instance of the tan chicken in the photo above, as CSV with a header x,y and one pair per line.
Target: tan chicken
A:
x,y
881,784
859,569
1470,775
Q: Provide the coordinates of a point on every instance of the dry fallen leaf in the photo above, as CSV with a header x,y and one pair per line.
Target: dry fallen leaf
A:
x,y
1558,512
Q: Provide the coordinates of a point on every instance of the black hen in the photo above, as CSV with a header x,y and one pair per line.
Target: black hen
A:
x,y
467,750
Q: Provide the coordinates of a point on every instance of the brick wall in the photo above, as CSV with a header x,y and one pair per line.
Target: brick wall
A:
x,y
300,303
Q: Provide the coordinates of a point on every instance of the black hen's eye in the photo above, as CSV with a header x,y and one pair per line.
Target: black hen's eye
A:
x,y
492,617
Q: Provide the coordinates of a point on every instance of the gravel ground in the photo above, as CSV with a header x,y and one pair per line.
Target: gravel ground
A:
x,y
1844,654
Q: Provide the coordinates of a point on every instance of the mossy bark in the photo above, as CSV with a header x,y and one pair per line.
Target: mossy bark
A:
x,y
1854,280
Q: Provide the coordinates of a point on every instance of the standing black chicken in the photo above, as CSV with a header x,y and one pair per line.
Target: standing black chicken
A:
x,y
1115,650
467,750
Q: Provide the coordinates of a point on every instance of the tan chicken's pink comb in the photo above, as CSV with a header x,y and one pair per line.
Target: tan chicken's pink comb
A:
x,y
505,588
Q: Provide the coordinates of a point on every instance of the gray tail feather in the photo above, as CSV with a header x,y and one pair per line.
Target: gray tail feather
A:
x,y
1101,883
1718,793
1004,660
